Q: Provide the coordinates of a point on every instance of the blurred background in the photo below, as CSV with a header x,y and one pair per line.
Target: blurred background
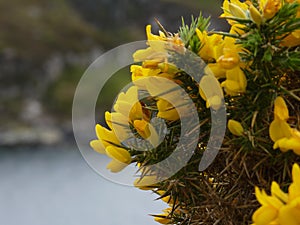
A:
x,y
45,47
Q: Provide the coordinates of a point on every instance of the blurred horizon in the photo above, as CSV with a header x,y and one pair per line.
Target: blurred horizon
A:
x,y
45,47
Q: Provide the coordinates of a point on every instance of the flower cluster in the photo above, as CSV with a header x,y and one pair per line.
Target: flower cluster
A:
x,y
253,72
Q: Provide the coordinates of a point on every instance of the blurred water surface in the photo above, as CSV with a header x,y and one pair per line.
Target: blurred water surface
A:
x,y
55,186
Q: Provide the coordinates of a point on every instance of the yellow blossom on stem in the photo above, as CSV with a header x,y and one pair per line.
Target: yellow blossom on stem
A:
x,y
285,137
147,131
270,206
211,45
230,57
166,110
138,72
235,82
128,104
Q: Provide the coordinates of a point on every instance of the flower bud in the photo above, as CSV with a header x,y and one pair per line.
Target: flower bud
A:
x,y
255,15
235,127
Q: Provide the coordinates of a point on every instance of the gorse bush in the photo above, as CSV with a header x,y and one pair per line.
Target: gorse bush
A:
x,y
183,83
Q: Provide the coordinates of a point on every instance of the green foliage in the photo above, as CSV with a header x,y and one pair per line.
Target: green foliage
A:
x,y
188,33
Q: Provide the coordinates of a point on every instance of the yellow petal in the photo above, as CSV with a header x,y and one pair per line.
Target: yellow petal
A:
x,y
289,214
276,191
210,90
106,136
118,154
281,109
294,188
235,82
235,127
163,219
229,60
166,110
279,129
146,182
98,146
296,174
142,128
116,166
264,215
216,70
255,15
286,144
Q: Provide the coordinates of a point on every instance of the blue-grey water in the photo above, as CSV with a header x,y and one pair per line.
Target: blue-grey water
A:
x,y
55,186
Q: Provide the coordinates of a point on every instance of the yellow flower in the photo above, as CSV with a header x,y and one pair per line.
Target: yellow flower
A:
x,y
230,57
281,133
235,127
107,144
149,55
166,110
211,46
270,205
138,72
105,138
128,104
210,90
234,8
269,7
157,51
147,131
170,97
235,82
280,208
289,214
237,29
119,124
